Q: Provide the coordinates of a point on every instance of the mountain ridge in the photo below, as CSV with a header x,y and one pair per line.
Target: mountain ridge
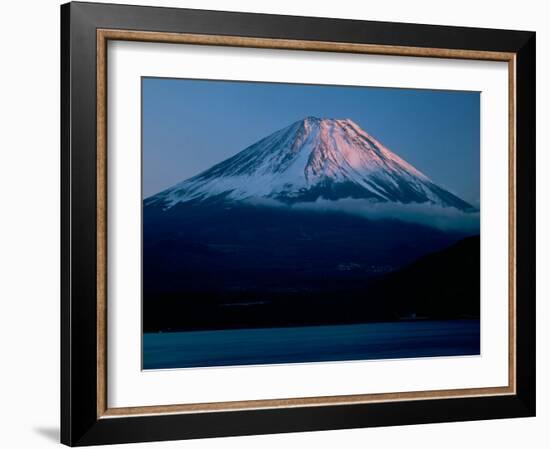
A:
x,y
313,158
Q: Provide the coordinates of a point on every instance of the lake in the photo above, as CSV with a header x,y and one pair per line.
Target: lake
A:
x,y
369,341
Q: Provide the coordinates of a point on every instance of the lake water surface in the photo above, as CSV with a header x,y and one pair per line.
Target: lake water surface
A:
x,y
311,344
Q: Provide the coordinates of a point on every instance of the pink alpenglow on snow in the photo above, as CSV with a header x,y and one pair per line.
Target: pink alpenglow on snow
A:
x,y
313,159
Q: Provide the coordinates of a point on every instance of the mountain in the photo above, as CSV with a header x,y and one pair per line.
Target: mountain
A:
x,y
442,284
216,255
309,160
439,285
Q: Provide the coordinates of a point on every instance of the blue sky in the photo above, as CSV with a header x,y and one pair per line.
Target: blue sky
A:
x,y
190,125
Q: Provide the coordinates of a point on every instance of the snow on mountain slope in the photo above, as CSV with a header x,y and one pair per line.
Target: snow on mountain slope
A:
x,y
309,160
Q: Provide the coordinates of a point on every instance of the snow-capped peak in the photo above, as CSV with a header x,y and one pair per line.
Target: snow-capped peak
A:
x,y
310,159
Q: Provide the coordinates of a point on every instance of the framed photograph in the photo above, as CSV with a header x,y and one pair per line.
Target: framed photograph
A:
x,y
280,224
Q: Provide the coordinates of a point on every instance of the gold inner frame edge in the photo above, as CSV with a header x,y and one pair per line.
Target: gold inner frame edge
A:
x,y
103,36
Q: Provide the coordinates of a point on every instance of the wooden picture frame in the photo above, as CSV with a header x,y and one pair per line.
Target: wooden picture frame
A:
x,y
86,418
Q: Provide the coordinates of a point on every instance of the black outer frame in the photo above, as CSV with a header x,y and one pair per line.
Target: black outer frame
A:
x,y
79,422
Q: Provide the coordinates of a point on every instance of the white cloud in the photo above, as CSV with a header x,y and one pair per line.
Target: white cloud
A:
x,y
444,218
